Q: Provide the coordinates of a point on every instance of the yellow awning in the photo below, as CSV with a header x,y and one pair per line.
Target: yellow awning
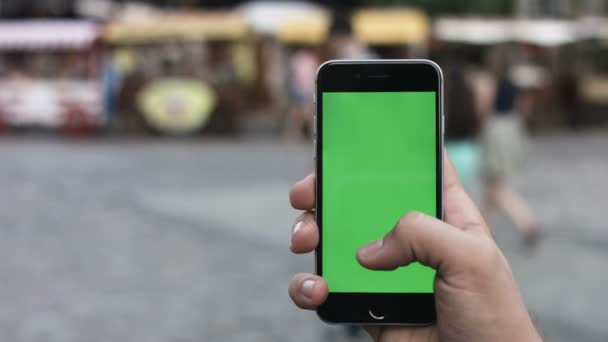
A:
x,y
389,26
198,26
306,30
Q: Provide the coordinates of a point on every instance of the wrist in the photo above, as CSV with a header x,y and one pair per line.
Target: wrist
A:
x,y
525,331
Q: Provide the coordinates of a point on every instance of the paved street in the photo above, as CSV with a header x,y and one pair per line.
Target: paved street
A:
x,y
158,240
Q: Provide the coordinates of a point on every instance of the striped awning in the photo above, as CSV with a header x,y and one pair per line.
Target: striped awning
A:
x,y
542,32
272,17
47,34
192,26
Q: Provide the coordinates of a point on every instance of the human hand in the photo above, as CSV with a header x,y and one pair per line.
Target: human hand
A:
x,y
476,296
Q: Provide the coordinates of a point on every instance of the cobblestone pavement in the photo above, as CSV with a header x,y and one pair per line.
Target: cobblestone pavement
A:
x,y
152,240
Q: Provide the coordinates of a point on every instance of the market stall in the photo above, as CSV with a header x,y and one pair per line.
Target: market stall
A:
x,y
534,52
49,75
279,28
187,70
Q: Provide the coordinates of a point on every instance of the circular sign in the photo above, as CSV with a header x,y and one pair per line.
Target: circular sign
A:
x,y
176,106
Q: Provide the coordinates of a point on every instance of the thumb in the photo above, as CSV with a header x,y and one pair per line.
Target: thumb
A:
x,y
422,238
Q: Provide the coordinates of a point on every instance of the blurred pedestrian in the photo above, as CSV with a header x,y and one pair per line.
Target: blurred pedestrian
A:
x,y
342,44
462,126
111,82
504,143
301,86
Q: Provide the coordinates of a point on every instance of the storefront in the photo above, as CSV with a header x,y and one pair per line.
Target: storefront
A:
x,y
187,72
49,76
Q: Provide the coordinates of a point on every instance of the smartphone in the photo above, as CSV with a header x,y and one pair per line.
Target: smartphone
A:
x,y
379,155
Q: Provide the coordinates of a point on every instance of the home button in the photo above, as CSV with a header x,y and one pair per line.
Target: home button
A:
x,y
375,315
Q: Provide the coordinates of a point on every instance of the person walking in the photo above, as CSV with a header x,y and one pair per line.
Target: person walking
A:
x,y
504,147
462,125
302,70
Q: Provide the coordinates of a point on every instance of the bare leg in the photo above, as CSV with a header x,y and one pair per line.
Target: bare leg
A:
x,y
293,124
506,199
490,206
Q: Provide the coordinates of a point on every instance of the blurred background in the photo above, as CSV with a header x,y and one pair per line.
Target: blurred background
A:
x,y
147,149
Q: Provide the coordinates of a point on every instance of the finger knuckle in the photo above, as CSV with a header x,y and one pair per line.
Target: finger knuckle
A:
x,y
410,219
407,225
486,258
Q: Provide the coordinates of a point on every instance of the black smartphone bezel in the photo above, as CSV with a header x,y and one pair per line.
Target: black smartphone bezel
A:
x,y
376,76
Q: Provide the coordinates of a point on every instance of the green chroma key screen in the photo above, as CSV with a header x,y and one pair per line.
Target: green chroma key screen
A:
x,y
379,162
